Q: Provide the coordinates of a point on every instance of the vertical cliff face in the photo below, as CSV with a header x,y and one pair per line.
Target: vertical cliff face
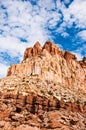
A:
x,y
47,90
50,63
33,51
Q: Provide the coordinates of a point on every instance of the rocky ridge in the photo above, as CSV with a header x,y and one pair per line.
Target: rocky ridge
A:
x,y
47,90
50,63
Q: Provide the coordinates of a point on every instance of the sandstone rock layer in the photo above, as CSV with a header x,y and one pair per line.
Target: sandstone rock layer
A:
x,y
46,91
50,63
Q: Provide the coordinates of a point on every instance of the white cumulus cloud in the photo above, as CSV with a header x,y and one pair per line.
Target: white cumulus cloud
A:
x,y
3,70
82,35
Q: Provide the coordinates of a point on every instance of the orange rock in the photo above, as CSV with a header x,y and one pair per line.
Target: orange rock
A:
x,y
51,48
68,56
47,90
83,63
37,49
26,127
50,63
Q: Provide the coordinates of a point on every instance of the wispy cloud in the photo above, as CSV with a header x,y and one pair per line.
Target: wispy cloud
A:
x,y
3,70
82,35
12,46
75,13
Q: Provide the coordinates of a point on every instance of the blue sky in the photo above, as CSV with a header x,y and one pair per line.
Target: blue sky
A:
x,y
23,22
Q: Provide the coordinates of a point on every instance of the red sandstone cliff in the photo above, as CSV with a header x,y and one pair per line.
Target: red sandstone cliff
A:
x,y
47,90
50,63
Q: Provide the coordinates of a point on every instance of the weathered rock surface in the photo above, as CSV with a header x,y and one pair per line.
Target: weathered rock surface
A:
x,y
33,51
47,90
36,112
50,63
